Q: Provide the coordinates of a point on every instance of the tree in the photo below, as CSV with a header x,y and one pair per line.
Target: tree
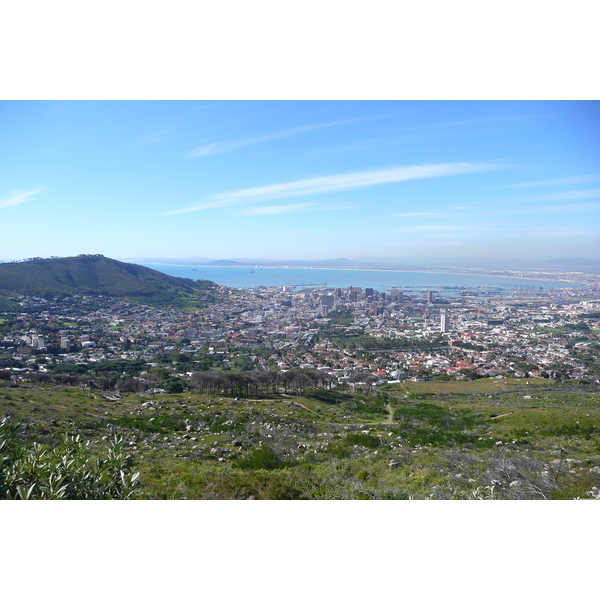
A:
x,y
174,386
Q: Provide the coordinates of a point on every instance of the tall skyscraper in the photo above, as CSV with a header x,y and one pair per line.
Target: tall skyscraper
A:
x,y
444,322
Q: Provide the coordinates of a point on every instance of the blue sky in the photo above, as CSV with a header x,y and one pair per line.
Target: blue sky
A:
x,y
300,179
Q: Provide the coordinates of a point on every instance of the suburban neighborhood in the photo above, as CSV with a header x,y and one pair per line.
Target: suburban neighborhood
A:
x,y
353,336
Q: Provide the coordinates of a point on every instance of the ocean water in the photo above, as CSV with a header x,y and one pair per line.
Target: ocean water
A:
x,y
383,280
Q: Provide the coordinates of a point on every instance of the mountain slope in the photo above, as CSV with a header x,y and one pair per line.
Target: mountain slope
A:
x,y
99,275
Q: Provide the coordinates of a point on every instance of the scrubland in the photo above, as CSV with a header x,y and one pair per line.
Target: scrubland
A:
x,y
483,439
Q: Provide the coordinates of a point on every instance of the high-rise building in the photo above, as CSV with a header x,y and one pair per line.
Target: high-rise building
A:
x,y
327,301
444,322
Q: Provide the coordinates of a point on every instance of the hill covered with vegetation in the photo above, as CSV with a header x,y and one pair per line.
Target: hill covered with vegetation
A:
x,y
484,439
94,274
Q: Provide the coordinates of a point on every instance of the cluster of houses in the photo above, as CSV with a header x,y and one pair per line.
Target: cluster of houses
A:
x,y
383,336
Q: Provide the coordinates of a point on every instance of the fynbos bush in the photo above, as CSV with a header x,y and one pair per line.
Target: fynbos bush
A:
x,y
68,471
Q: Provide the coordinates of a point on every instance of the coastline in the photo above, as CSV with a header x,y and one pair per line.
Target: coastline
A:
x,y
533,275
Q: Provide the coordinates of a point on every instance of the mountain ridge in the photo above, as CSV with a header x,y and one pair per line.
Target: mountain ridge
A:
x,y
95,274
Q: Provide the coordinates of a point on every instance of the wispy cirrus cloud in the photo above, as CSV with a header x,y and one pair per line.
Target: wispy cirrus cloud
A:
x,y
571,208
420,214
422,133
561,196
226,146
20,197
552,182
288,208
208,205
334,183
161,135
276,210
564,232
431,215
434,228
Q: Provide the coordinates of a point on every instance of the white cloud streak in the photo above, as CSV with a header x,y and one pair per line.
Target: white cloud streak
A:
x,y
206,206
349,181
288,208
434,228
438,215
334,183
565,232
420,214
274,210
559,208
20,197
573,195
225,146
551,182
159,136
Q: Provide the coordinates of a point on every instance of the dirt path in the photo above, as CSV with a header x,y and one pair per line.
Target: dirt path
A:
x,y
289,402
304,407
502,415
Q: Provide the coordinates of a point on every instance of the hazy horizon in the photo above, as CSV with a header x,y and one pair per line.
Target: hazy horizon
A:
x,y
340,261
301,180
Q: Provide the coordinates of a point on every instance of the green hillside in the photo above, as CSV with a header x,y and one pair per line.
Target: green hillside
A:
x,y
91,275
512,442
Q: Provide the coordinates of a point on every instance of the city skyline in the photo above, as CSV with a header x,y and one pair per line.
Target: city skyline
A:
x,y
300,179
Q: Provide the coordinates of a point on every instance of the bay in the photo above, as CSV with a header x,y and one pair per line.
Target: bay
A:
x,y
383,280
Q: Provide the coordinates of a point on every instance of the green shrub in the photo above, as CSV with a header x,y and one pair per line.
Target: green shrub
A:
x,y
68,471
339,450
585,429
371,407
362,439
261,458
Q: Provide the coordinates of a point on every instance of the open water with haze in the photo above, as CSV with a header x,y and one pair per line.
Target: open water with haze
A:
x,y
383,280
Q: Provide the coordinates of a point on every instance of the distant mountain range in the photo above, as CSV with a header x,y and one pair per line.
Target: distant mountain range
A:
x,y
93,275
242,262
585,265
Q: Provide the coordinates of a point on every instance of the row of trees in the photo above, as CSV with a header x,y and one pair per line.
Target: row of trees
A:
x,y
253,383
245,384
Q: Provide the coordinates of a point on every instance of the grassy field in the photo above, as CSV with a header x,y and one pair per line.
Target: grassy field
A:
x,y
485,385
508,439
